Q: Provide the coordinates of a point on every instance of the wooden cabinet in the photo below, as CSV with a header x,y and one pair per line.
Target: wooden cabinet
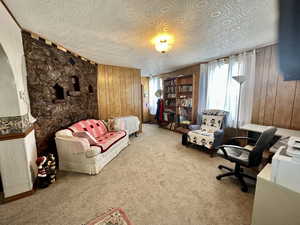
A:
x,y
274,204
119,92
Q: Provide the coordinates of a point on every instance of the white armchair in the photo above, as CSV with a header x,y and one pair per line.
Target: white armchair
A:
x,y
211,131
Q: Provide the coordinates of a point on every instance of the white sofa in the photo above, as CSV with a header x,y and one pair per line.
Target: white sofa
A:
x,y
78,155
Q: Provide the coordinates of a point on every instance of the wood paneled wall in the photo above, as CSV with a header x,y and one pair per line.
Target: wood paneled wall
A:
x,y
276,102
191,70
145,96
119,91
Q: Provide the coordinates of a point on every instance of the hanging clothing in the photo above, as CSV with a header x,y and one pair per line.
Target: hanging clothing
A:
x,y
160,110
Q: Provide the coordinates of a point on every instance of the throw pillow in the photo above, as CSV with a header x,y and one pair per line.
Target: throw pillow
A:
x,y
110,124
85,134
119,124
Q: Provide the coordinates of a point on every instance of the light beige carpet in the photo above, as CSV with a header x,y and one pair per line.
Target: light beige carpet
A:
x,y
156,180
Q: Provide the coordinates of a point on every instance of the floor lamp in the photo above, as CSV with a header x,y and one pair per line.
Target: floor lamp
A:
x,y
240,79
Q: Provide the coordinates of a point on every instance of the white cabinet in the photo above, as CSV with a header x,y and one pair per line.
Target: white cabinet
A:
x,y
17,164
274,204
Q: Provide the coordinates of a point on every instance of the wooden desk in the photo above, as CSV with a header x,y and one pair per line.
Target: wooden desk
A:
x,y
261,128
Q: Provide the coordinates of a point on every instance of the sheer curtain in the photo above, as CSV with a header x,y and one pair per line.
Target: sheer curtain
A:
x,y
202,91
232,92
154,85
223,90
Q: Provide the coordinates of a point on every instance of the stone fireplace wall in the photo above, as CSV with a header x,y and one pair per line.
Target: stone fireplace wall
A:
x,y
62,89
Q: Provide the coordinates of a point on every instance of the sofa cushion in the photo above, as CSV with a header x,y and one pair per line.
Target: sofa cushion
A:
x,y
95,127
98,127
87,135
201,138
109,139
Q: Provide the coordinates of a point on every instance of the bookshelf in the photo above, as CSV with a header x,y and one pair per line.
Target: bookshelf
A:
x,y
178,103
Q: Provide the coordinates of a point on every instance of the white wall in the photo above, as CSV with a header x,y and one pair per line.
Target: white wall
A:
x,y
11,41
17,156
8,89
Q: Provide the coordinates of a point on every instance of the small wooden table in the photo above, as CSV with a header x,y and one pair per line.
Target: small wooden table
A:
x,y
281,139
281,133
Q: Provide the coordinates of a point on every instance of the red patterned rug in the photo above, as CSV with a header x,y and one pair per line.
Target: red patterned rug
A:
x,y
114,216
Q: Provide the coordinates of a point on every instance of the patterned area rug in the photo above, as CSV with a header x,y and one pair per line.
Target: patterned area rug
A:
x,y
114,216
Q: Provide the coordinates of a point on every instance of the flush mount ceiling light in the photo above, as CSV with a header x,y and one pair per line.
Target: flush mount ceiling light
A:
x,y
163,42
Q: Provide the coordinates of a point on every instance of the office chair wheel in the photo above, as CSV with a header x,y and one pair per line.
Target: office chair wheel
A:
x,y
218,177
220,167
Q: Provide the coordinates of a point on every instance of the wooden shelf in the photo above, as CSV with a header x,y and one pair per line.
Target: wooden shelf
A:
x,y
188,107
185,92
182,130
178,84
170,98
184,97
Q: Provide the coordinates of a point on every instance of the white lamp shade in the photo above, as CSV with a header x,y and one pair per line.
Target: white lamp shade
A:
x,y
240,78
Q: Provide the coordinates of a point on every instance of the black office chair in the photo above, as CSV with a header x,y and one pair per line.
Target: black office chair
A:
x,y
244,157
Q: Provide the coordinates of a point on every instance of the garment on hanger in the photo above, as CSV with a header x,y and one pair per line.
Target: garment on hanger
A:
x,y
160,110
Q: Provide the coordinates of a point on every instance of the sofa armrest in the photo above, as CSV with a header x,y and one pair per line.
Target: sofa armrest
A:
x,y
218,138
72,145
93,151
194,127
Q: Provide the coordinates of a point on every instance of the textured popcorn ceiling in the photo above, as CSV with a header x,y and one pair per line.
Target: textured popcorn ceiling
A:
x,y
119,32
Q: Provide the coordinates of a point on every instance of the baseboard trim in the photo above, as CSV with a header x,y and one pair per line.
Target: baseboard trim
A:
x,y
18,196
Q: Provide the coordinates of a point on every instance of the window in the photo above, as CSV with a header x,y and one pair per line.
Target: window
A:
x,y
217,84
222,89
155,84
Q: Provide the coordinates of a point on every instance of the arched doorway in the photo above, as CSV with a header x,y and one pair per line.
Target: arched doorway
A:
x,y
8,90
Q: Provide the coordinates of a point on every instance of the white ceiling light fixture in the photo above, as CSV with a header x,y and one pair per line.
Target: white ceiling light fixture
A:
x,y
162,46
163,42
